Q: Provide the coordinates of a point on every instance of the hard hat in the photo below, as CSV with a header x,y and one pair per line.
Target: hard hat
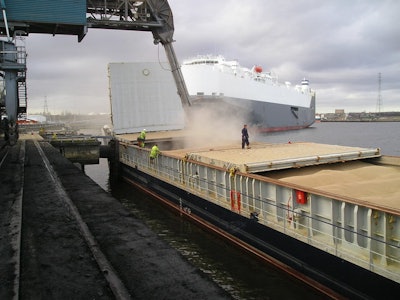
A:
x,y
144,129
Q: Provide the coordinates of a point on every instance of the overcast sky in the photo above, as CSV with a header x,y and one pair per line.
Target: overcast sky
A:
x,y
339,45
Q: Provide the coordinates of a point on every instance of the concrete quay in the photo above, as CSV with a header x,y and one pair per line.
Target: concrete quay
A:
x,y
47,255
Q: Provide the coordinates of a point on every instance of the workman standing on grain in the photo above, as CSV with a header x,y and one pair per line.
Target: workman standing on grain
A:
x,y
142,138
245,137
154,152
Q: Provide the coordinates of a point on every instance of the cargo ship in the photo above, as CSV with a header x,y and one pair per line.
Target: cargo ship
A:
x,y
251,94
330,213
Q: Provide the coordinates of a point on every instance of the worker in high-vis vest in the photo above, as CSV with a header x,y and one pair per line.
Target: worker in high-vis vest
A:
x,y
154,152
142,138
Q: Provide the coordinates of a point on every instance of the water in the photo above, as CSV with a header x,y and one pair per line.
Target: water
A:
x,y
383,135
238,273
243,276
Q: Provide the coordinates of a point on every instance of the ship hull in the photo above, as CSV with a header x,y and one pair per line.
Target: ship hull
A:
x,y
336,274
261,116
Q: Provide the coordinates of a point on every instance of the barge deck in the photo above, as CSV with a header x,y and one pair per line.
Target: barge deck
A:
x,y
341,201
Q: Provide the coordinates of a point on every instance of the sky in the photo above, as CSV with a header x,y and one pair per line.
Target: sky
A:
x,y
340,46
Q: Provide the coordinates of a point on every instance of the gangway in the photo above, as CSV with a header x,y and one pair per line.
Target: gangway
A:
x,y
21,18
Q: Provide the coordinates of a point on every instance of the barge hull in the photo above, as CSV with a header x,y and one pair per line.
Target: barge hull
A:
x,y
327,211
330,271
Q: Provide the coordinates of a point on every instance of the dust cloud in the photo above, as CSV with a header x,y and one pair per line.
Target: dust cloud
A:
x,y
211,127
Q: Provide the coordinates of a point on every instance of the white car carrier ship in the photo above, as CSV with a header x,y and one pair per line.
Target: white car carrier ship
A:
x,y
251,94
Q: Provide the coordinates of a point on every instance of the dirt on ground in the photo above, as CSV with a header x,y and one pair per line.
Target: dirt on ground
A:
x,y
55,259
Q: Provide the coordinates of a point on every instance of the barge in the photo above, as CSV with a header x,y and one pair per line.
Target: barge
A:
x,y
330,212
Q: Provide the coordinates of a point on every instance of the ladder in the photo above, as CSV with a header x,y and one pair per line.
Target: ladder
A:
x,y
21,83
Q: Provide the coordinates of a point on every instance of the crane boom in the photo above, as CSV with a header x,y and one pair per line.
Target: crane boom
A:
x,y
177,74
164,35
148,15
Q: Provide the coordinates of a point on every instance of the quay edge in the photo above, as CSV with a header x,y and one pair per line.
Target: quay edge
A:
x,y
334,239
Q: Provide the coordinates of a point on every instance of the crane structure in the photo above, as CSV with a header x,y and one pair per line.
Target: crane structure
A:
x,y
21,17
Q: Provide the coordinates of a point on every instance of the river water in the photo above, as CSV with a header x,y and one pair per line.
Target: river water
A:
x,y
243,276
